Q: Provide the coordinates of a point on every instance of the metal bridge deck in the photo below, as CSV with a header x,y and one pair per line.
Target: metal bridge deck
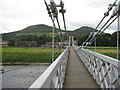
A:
x,y
77,75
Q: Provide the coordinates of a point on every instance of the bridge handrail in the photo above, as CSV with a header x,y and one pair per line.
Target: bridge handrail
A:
x,y
53,77
105,70
103,57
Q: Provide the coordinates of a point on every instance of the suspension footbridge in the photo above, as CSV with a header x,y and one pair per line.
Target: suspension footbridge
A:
x,y
78,67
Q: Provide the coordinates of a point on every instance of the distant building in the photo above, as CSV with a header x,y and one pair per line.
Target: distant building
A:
x,y
26,44
64,44
4,43
49,44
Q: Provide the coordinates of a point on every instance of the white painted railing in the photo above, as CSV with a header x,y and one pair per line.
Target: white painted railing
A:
x,y
105,70
53,77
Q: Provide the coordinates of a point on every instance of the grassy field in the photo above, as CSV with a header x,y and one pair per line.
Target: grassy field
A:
x,y
27,55
109,51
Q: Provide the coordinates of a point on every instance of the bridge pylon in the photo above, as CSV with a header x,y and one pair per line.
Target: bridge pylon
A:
x,y
71,40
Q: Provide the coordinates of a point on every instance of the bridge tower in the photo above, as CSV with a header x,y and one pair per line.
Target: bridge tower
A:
x,y
71,40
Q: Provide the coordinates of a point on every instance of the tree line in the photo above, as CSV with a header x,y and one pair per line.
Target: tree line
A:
x,y
41,40
104,39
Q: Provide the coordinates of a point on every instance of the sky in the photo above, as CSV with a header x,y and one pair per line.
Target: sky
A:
x,y
18,14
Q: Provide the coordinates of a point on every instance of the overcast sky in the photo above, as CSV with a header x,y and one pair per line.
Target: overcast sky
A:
x,y
18,14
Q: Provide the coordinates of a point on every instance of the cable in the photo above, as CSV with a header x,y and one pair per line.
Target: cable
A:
x,y
53,13
59,26
102,31
91,41
64,22
94,30
53,7
60,34
62,10
50,15
109,24
105,15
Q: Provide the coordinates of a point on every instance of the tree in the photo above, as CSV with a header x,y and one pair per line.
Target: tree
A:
x,y
81,38
11,42
114,39
104,40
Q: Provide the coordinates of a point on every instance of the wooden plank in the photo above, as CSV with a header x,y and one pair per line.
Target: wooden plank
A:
x,y
77,75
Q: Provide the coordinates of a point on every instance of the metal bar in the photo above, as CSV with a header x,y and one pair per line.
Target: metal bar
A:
x,y
94,30
59,26
64,21
103,30
60,38
60,34
50,15
118,37
105,15
53,41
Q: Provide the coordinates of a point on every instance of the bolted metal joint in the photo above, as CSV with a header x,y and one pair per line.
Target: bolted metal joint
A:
x,y
53,7
110,6
62,11
116,11
106,14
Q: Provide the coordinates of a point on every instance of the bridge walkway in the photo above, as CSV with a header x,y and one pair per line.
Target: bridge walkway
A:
x,y
77,75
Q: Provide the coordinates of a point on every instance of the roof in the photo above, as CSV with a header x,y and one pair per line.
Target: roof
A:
x,y
50,43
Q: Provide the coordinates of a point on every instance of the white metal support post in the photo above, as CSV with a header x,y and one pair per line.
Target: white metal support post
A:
x,y
53,40
94,35
118,7
95,44
118,37
61,46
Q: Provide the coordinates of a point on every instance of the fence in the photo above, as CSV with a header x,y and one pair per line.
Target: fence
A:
x,y
105,70
53,77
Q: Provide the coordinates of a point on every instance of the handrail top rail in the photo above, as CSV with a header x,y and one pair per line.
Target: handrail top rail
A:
x,y
103,57
42,78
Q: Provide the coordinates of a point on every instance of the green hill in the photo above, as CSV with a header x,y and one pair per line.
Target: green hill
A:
x,y
37,29
40,30
81,31
84,30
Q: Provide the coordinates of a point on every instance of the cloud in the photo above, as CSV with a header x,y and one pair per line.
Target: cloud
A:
x,y
18,14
